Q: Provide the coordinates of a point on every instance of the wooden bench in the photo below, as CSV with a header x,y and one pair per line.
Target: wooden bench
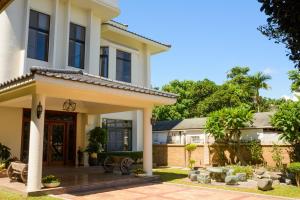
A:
x,y
123,163
17,170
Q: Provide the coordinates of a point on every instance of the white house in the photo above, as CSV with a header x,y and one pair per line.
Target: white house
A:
x,y
66,67
193,131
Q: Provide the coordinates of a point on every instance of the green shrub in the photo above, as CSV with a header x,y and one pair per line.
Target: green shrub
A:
x,y
97,140
191,147
138,171
277,156
192,163
242,169
255,149
50,179
295,169
4,152
134,155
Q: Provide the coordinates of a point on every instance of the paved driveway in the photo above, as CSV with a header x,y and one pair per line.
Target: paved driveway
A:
x,y
164,192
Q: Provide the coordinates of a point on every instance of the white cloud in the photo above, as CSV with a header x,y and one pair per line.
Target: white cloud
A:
x,y
269,71
292,97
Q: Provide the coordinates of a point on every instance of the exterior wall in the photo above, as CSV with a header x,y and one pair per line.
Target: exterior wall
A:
x,y
175,155
11,129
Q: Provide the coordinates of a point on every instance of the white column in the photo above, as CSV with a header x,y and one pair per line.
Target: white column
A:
x,y
68,19
147,153
35,162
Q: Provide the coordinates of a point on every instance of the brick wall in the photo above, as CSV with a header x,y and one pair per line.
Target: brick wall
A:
x,y
175,155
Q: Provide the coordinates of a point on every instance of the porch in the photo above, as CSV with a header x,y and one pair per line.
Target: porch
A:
x,y
78,179
46,90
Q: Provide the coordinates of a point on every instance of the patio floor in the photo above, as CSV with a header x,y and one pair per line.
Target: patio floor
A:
x,y
79,179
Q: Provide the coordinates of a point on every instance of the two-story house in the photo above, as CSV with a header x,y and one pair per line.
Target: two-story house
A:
x,y
65,68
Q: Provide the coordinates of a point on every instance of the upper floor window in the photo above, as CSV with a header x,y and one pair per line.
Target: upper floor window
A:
x,y
104,53
123,66
38,36
76,46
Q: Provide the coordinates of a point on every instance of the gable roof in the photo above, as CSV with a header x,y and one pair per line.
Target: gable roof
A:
x,y
81,77
260,120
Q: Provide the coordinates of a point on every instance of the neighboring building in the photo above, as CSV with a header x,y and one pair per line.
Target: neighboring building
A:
x,y
193,131
65,68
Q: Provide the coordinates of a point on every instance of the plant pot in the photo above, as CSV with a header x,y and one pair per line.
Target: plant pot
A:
x,y
140,175
93,161
51,185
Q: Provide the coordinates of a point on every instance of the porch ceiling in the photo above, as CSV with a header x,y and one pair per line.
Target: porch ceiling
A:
x,y
92,94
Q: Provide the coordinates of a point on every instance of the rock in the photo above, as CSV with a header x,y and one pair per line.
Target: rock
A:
x,y
241,177
193,177
230,172
204,178
276,182
231,180
288,181
260,171
264,184
192,172
275,176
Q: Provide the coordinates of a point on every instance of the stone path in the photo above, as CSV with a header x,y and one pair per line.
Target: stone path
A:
x,y
164,192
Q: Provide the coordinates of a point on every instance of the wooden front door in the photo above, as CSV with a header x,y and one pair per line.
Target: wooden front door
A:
x,y
55,143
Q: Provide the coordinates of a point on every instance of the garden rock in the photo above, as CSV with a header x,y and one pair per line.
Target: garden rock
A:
x,y
218,173
204,178
242,177
192,172
193,177
229,172
260,171
231,180
264,184
288,181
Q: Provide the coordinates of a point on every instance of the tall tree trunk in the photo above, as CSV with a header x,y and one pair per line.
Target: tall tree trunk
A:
x,y
257,100
238,149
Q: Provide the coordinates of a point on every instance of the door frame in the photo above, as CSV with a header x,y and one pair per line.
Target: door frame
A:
x,y
67,125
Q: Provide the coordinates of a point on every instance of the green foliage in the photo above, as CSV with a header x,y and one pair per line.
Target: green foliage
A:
x,y
97,140
225,126
242,169
283,19
200,98
255,149
277,156
287,120
191,163
134,155
295,169
138,171
294,76
4,153
191,147
50,179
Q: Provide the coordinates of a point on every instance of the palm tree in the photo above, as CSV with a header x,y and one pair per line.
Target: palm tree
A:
x,y
257,82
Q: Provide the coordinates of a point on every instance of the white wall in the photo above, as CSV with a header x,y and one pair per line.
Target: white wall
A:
x,y
11,129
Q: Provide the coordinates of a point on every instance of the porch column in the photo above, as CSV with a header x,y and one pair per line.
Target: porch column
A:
x,y
147,153
35,162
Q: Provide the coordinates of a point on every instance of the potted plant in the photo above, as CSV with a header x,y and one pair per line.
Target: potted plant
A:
x,y
50,181
97,141
139,172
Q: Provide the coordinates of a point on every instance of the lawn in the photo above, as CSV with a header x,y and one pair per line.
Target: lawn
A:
x,y
178,176
4,194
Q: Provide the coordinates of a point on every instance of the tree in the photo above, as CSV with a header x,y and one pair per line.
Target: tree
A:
x,y
258,82
225,126
283,25
294,76
238,75
287,121
190,94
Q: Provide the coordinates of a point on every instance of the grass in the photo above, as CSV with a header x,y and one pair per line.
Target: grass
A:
x,y
178,176
4,194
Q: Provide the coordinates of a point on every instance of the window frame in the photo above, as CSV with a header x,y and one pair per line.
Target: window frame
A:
x,y
77,41
126,60
104,56
43,31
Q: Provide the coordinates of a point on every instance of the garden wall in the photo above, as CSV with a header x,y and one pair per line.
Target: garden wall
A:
x,y
175,155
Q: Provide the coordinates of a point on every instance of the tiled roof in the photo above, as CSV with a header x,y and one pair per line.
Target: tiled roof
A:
x,y
81,77
260,120
136,34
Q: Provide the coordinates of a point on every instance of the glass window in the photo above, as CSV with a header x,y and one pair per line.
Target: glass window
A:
x,y
76,46
123,66
104,53
119,134
38,36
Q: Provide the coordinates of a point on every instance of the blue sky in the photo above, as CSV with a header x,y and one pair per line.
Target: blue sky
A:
x,y
208,38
